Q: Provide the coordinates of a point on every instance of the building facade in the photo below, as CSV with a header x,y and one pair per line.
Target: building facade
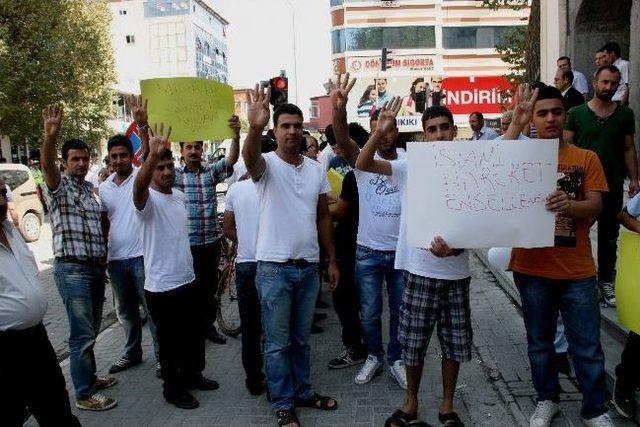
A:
x,y
444,48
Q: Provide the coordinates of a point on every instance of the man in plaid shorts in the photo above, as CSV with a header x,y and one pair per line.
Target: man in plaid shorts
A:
x,y
437,280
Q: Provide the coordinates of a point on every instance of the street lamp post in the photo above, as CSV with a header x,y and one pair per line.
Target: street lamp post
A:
x,y
295,60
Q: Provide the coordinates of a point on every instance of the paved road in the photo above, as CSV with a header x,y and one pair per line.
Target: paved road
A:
x,y
494,388
55,319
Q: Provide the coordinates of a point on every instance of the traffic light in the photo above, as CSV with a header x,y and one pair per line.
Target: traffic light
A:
x,y
279,90
384,63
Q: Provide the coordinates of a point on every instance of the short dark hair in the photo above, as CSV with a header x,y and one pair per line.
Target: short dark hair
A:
x,y
166,154
358,134
612,47
120,140
610,68
73,144
330,136
184,142
478,114
303,144
267,144
602,49
286,109
549,92
567,74
564,58
537,85
436,111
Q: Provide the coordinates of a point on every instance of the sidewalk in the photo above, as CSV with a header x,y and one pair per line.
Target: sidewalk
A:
x,y
494,389
480,401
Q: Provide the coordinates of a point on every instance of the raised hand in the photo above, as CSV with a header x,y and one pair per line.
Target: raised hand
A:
x,y
340,93
258,112
234,124
159,140
52,119
387,117
523,110
138,109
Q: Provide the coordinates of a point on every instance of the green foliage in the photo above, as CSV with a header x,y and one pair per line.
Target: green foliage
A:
x,y
55,52
513,52
514,4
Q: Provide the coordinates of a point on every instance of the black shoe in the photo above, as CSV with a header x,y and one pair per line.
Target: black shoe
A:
x,y
214,336
319,316
123,363
348,357
158,370
321,304
184,400
315,329
203,383
562,363
256,388
624,399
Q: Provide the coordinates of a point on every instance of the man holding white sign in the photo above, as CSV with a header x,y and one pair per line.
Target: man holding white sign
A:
x,y
437,280
562,278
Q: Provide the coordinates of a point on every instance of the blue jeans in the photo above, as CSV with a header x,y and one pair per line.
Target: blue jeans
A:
x,y
82,290
127,281
577,301
372,268
288,296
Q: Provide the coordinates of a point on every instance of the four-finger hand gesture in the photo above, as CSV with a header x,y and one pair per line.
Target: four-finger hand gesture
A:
x,y
159,140
340,93
387,117
234,124
52,119
258,112
523,110
138,109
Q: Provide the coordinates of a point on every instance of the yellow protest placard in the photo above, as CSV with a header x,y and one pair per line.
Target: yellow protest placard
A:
x,y
196,109
335,181
628,280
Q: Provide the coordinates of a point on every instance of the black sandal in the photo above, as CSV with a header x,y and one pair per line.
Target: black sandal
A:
x,y
318,402
450,419
402,419
287,416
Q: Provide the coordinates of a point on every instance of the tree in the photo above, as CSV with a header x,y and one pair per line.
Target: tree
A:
x,y
521,47
55,52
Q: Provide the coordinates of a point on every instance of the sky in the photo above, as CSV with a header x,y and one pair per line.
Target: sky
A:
x,y
260,43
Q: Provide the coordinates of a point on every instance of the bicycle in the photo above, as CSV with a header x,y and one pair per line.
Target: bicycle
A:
x,y
228,315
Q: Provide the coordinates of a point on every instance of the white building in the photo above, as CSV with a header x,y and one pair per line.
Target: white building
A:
x,y
165,38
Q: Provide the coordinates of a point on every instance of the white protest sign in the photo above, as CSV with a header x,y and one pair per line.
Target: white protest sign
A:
x,y
479,194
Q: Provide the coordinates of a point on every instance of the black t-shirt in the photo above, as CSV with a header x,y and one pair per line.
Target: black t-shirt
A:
x,y
347,228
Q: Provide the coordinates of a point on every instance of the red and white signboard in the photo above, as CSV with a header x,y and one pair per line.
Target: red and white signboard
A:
x,y
465,95
370,65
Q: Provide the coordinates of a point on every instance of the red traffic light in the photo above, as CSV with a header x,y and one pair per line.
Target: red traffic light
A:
x,y
279,83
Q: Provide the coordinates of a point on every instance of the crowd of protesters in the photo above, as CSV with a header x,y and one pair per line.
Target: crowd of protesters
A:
x,y
155,231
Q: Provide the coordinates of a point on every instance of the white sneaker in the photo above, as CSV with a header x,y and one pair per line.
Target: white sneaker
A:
x,y
372,366
601,421
544,413
399,373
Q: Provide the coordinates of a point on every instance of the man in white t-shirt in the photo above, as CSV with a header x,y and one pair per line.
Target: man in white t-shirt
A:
x,y
579,80
241,227
170,288
437,279
124,250
612,50
293,213
378,227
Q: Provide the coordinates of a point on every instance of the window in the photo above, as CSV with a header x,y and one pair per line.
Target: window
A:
x,y
314,110
374,38
474,37
14,178
336,2
131,39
